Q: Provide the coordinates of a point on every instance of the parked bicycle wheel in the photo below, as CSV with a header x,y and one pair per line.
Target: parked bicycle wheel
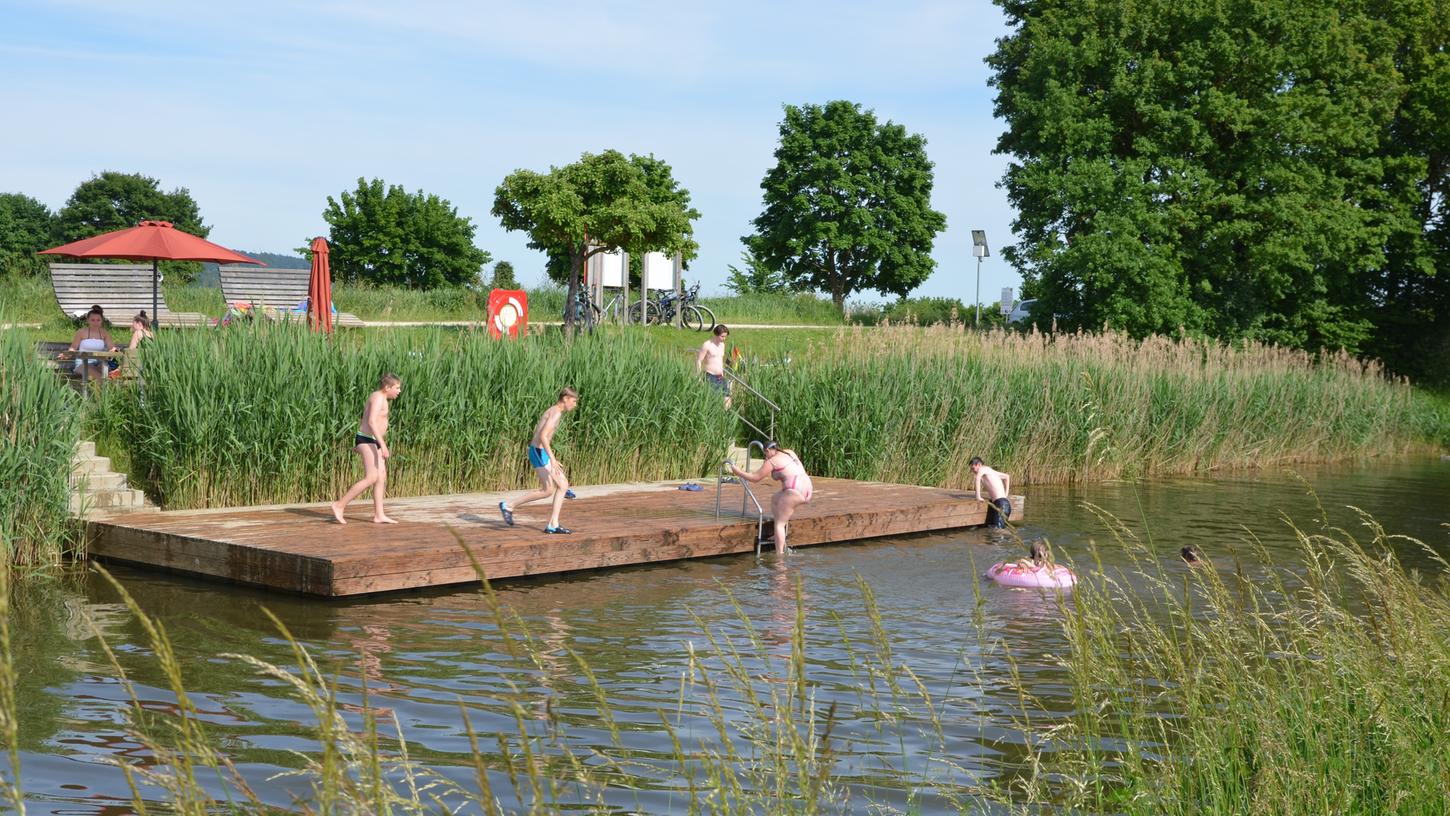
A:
x,y
651,313
693,319
709,316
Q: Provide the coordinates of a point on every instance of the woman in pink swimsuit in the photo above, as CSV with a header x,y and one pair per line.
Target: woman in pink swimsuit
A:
x,y
795,486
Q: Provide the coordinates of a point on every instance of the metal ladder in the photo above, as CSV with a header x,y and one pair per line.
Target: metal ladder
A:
x,y
748,496
774,409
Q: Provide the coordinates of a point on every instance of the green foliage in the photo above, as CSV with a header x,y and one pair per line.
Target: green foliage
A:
x,y
265,412
40,422
911,405
924,311
606,201
384,235
503,276
1243,170
26,227
113,201
847,204
755,279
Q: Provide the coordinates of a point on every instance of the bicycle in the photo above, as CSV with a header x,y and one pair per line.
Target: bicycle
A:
x,y
693,315
588,314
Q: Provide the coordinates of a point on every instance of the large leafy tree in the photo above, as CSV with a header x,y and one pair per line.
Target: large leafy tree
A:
x,y
26,227
847,204
388,236
602,202
1220,168
112,201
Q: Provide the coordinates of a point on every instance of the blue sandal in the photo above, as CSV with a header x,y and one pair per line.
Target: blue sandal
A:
x,y
508,515
558,530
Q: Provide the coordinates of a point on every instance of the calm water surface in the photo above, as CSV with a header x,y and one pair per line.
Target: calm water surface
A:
x,y
424,654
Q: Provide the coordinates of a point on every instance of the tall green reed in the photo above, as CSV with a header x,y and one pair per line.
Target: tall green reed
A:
x,y
266,412
40,421
913,405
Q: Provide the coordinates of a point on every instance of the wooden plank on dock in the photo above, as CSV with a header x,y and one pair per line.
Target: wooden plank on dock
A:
x,y
298,548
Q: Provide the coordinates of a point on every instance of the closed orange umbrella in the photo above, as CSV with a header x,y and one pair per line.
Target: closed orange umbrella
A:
x,y
319,289
150,241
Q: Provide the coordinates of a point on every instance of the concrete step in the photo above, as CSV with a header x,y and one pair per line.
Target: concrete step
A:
x,y
125,498
91,464
98,480
86,449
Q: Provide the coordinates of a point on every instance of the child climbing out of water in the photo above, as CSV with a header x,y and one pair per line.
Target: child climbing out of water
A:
x,y
998,485
552,481
371,444
795,486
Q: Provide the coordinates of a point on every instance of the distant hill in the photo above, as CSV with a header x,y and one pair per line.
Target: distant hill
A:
x,y
210,277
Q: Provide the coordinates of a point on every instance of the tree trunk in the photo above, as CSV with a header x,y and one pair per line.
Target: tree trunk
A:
x,y
576,264
838,284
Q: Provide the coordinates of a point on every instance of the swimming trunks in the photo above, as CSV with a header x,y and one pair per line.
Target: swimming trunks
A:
x,y
998,512
538,457
364,439
719,383
793,476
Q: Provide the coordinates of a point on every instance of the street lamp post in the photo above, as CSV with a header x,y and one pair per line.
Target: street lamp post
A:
x,y
979,249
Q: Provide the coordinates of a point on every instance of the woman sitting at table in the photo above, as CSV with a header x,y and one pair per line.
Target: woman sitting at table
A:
x,y
92,337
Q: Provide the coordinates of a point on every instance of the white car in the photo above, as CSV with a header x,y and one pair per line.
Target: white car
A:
x,y
1022,312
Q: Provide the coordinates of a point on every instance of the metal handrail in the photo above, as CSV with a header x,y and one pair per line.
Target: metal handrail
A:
x,y
749,494
774,409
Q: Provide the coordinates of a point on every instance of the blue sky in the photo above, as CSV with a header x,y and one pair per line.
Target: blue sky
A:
x,y
263,109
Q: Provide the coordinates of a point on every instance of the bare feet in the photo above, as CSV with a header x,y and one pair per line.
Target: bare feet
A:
x,y
383,520
337,514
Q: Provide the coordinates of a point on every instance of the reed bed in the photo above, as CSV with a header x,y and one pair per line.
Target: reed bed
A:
x,y
1254,687
40,420
265,413
913,405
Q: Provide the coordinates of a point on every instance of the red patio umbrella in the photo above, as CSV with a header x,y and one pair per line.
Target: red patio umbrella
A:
x,y
150,241
319,289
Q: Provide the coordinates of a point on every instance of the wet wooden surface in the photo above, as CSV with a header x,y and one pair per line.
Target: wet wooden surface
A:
x,y
299,548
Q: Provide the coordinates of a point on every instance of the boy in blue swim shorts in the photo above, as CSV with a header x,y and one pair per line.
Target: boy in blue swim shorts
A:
x,y
552,481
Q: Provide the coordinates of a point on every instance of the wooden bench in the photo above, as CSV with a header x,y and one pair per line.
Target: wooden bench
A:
x,y
121,289
274,287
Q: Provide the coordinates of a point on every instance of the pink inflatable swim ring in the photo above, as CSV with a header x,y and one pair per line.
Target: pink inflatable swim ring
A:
x,y
1054,576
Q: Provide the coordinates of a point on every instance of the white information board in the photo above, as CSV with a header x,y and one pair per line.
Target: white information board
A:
x,y
1006,299
659,271
611,269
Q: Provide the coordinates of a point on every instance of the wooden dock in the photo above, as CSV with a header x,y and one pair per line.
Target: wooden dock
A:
x,y
298,548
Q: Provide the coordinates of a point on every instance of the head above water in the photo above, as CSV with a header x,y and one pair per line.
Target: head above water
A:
x,y
1191,554
1040,552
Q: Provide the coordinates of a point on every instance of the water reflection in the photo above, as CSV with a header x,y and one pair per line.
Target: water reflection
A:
x,y
423,654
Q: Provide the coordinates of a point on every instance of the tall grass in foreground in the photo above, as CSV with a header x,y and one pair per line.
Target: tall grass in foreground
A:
x,y
912,405
1256,688
40,419
265,413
